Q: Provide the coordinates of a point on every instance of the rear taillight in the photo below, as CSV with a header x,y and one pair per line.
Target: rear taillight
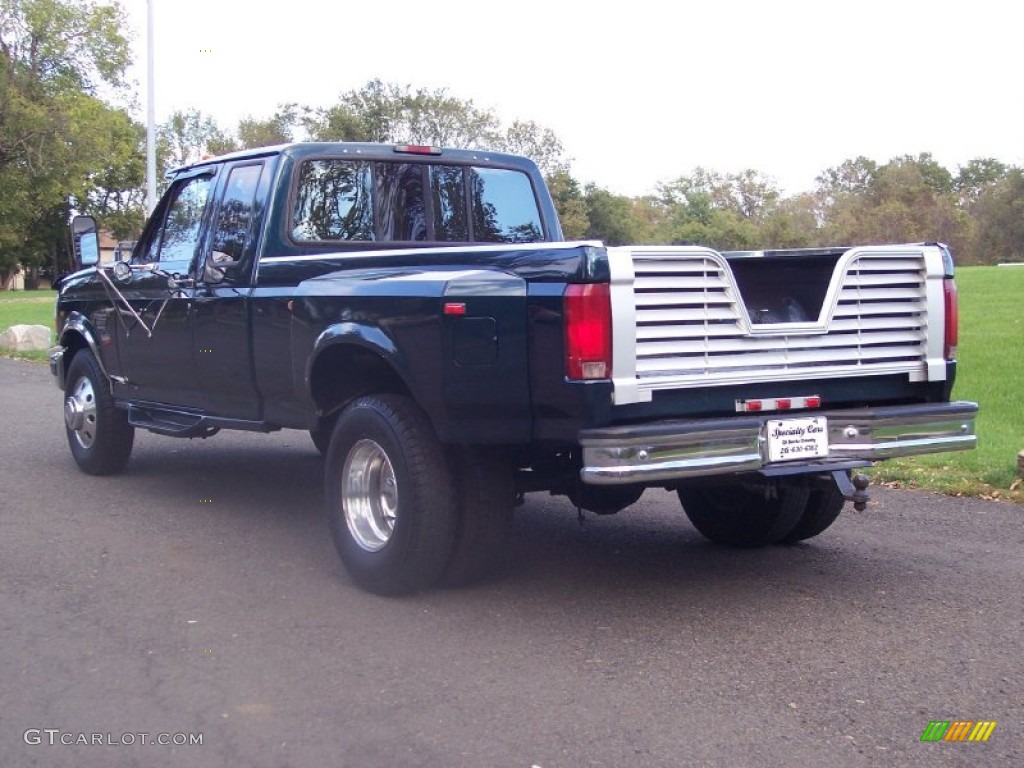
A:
x,y
588,331
952,319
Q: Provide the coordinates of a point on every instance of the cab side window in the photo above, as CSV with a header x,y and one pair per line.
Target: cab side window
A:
x,y
177,239
341,199
504,207
333,201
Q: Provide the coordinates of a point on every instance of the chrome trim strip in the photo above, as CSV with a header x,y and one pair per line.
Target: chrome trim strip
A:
x,y
388,252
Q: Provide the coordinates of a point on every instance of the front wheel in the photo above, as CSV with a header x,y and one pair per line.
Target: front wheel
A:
x,y
392,506
99,434
744,515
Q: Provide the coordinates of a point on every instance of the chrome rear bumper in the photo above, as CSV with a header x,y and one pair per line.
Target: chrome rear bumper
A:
x,y
675,450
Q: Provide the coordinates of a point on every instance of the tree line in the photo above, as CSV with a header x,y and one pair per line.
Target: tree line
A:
x,y
69,142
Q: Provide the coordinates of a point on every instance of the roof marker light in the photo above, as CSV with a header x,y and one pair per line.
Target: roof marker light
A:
x,y
417,149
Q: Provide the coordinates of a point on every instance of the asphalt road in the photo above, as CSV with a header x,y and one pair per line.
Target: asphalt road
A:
x,y
199,593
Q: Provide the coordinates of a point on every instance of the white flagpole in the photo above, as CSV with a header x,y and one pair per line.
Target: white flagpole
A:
x,y
150,114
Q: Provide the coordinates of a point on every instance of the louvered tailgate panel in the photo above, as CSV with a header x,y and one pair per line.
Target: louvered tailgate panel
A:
x,y
692,327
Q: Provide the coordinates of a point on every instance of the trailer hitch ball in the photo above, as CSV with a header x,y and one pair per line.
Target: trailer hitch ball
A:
x,y
860,496
853,489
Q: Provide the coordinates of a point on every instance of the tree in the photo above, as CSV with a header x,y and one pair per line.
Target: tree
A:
x,y
279,128
399,114
335,123
117,187
54,57
973,179
188,136
748,194
570,204
849,177
391,113
999,216
609,217
793,223
536,142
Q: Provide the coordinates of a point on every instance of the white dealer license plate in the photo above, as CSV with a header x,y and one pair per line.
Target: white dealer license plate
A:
x,y
790,439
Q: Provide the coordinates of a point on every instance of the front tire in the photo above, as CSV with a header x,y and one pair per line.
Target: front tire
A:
x,y
744,516
99,434
392,506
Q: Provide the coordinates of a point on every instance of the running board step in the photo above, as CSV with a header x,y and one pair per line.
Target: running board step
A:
x,y
170,423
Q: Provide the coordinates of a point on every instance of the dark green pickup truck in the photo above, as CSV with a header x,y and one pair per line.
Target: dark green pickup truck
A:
x,y
417,311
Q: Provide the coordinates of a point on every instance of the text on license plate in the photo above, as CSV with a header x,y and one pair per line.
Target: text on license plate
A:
x,y
790,439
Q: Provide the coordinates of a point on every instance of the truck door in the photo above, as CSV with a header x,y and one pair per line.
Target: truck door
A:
x,y
221,322
160,365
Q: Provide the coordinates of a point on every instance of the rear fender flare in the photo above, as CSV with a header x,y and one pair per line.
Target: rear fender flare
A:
x,y
366,337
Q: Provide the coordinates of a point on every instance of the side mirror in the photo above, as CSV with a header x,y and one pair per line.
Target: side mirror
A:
x,y
216,265
85,240
122,272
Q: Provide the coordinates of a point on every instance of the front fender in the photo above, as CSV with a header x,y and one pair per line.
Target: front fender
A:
x,y
77,333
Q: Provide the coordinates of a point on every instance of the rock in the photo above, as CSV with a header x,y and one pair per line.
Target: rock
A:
x,y
25,338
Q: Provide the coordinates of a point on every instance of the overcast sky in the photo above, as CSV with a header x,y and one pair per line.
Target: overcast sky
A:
x,y
638,92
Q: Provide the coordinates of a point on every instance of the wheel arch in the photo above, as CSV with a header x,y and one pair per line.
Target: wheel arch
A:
x,y
349,362
76,335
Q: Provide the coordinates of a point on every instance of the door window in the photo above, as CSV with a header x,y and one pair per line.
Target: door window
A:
x,y
234,218
177,239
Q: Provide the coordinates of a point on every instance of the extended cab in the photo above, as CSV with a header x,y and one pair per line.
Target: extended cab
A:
x,y
417,311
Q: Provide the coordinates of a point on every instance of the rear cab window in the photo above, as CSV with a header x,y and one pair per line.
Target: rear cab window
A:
x,y
341,199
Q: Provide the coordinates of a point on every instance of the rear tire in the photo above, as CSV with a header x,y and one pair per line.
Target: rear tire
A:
x,y
742,515
486,499
99,434
823,507
392,506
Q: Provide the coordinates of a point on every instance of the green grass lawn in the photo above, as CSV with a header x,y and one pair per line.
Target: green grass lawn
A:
x,y
990,371
26,308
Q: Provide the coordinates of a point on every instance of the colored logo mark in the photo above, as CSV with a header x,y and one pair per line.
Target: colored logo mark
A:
x,y
958,730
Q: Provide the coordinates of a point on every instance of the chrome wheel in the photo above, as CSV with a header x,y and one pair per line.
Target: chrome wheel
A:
x,y
80,412
369,495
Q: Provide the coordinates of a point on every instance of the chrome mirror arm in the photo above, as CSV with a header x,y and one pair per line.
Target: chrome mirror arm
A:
x,y
108,284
